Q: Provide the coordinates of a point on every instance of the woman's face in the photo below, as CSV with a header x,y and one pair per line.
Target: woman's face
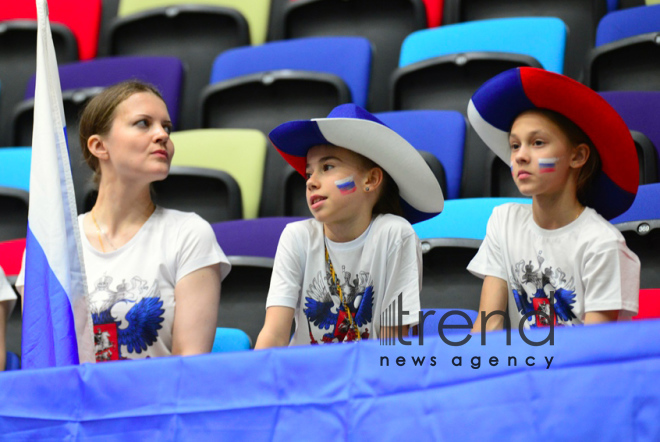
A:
x,y
138,144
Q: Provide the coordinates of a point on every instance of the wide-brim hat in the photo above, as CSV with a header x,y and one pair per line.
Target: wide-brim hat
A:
x,y
353,128
494,107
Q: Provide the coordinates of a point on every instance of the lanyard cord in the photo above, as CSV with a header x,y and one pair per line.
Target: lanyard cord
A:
x,y
341,296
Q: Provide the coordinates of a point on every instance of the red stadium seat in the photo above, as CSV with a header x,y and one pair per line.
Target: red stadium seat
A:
x,y
649,304
11,256
83,17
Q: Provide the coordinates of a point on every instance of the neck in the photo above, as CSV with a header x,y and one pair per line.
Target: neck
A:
x,y
555,211
347,230
119,205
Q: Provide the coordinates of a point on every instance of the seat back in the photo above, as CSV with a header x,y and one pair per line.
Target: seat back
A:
x,y
82,17
230,339
580,16
239,152
384,22
649,304
11,256
543,38
13,213
15,167
18,40
641,112
441,133
627,54
194,34
256,12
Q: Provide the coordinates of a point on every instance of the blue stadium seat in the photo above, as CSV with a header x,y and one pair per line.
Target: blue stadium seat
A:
x,y
230,339
441,133
627,54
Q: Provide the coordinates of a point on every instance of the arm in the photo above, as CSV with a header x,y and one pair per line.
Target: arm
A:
x,y
277,328
4,313
493,297
392,332
197,296
601,317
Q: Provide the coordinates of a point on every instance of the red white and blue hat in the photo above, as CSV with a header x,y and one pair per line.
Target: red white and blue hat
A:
x,y
494,107
353,128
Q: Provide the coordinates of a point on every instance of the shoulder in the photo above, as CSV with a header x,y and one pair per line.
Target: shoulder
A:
x,y
183,225
306,228
598,233
512,211
391,226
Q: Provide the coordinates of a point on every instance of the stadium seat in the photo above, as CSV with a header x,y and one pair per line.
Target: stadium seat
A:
x,y
649,304
15,167
83,80
11,257
13,213
627,53
230,339
644,214
462,223
580,16
264,86
648,158
434,9
239,152
12,362
212,194
82,17
441,68
250,246
256,12
384,22
641,112
195,34
441,133
18,42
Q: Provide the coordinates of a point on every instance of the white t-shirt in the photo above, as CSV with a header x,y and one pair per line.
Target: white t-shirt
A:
x,y
131,289
586,264
373,269
6,291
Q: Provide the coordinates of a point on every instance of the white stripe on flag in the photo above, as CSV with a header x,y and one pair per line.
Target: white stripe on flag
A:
x,y
53,228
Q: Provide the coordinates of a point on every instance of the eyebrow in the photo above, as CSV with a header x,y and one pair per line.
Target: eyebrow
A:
x,y
151,117
531,134
329,157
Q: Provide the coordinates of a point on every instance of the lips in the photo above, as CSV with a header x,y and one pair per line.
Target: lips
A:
x,y
523,174
316,200
161,153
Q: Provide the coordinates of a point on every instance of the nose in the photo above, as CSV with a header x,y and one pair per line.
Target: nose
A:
x,y
312,182
521,155
161,135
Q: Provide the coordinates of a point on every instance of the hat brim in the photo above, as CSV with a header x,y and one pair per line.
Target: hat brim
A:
x,y
495,106
420,192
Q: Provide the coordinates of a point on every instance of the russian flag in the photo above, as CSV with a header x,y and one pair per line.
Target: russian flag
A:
x,y
547,164
56,320
346,185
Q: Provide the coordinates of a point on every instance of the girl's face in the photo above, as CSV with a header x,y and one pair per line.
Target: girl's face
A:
x,y
336,182
138,145
542,156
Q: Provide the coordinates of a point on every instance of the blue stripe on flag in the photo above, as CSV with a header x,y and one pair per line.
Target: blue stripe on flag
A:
x,y
49,317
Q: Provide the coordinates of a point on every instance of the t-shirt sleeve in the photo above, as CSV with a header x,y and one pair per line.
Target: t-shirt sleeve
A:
x,y
404,276
288,270
20,278
197,247
611,281
489,260
6,292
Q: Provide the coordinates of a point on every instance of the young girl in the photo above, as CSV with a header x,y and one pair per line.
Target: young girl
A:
x,y
338,273
557,260
153,274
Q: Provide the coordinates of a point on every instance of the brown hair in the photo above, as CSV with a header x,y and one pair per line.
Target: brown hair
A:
x,y
99,114
592,168
389,200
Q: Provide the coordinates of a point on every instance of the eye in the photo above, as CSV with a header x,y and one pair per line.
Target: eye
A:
x,y
327,167
142,123
167,128
514,145
308,175
539,142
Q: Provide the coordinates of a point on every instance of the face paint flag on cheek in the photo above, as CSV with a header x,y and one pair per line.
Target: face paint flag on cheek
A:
x,y
547,164
346,185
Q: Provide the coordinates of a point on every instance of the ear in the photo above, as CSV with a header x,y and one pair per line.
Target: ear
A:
x,y
373,178
580,155
96,147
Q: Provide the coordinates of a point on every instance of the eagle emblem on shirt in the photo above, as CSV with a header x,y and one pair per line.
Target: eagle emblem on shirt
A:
x,y
137,329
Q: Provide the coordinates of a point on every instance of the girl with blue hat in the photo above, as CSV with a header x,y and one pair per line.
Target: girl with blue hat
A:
x,y
336,274
557,261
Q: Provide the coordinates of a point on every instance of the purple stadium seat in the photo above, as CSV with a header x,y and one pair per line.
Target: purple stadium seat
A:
x,y
251,242
166,73
641,112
